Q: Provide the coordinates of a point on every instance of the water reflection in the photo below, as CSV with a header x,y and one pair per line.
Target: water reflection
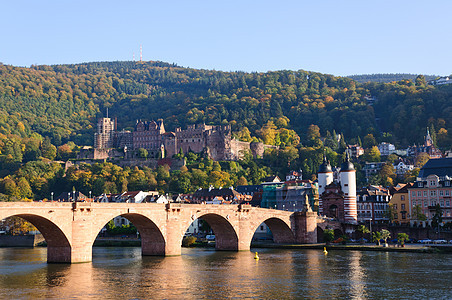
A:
x,y
207,274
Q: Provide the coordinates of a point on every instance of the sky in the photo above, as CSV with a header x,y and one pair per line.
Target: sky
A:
x,y
327,36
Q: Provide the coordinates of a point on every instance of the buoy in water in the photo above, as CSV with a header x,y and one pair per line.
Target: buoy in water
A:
x,y
256,256
324,251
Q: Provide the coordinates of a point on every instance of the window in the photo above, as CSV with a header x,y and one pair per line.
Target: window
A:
x,y
419,193
447,203
425,193
421,184
432,183
441,193
447,193
447,183
425,203
403,206
403,197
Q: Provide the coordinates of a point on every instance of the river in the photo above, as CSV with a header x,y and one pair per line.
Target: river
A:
x,y
121,273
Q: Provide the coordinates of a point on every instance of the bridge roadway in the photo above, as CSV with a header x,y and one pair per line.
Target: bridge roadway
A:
x,y
71,228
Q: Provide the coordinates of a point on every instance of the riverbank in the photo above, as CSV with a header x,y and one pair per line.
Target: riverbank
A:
x,y
416,248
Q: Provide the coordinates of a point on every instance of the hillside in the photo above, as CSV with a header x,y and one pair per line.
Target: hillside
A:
x,y
386,78
46,111
64,101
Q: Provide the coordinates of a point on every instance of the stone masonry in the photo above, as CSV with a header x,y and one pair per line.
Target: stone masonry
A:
x,y
71,228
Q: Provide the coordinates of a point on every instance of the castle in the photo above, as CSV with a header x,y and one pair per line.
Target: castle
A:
x,y
215,141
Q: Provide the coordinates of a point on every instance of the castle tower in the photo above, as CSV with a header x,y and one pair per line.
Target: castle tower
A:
x,y
103,138
347,177
325,177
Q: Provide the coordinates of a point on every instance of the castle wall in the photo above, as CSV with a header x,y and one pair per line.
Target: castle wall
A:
x,y
215,140
238,148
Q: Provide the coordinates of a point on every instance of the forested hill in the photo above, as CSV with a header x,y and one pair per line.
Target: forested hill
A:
x,y
386,78
64,101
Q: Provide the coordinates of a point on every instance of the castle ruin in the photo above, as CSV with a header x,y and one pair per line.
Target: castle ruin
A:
x,y
215,141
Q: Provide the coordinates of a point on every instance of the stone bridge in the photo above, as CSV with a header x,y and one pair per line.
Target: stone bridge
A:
x,y
71,228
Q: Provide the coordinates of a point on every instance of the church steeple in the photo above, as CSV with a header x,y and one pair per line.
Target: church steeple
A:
x,y
428,139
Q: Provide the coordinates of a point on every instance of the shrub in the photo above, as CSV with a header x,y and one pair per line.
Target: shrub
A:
x,y
188,241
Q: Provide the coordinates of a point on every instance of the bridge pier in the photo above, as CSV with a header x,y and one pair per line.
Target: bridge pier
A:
x,y
58,254
304,226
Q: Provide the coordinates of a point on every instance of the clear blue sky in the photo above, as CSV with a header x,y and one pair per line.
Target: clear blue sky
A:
x,y
327,36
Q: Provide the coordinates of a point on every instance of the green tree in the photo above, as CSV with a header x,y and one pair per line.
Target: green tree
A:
x,y
363,230
416,213
328,235
369,141
401,238
48,150
437,216
376,237
387,174
390,212
421,159
142,153
385,235
372,154
420,81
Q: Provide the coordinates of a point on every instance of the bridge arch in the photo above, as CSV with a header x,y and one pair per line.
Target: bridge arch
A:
x,y
280,228
59,248
226,237
152,239
282,233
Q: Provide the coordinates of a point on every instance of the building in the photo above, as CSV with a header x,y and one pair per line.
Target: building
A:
x,y
386,148
354,151
373,204
432,187
297,195
149,136
400,203
215,141
441,81
337,199
294,175
372,168
103,138
401,168
428,148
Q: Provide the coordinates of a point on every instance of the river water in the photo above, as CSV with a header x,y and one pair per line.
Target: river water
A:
x,y
121,273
